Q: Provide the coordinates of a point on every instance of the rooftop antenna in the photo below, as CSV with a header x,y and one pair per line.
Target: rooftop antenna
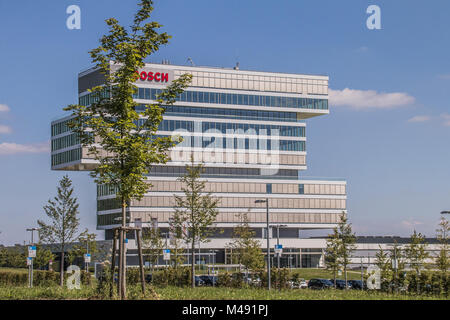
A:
x,y
189,59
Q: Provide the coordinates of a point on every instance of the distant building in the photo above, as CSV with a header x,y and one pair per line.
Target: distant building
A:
x,y
249,129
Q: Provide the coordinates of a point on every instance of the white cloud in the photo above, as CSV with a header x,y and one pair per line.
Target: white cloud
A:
x,y
363,49
446,118
444,76
4,108
7,148
368,99
5,129
419,119
410,223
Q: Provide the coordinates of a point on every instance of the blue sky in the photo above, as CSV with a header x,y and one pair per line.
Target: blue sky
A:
x,y
388,134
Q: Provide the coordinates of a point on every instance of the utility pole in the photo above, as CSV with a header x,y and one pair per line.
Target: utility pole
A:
x,y
268,240
30,268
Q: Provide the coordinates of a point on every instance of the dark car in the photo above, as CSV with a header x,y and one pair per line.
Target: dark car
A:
x,y
340,284
209,280
358,284
320,284
199,282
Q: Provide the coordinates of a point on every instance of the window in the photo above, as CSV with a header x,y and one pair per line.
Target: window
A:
x,y
301,189
268,188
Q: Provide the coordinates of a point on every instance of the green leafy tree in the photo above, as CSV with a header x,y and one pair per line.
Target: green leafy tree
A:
x,y
332,254
416,254
442,259
196,212
153,245
43,256
247,248
384,263
62,212
126,142
397,254
86,244
347,244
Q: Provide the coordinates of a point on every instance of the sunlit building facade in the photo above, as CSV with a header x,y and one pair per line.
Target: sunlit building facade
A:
x,y
249,130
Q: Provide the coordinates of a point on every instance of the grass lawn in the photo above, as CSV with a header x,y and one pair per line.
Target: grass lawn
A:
x,y
205,293
208,293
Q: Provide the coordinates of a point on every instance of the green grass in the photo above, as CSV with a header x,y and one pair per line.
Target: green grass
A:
x,y
208,293
53,293
205,293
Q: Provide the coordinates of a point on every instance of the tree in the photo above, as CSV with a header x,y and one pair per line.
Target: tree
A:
x,y
247,248
196,212
332,253
384,263
64,222
347,243
415,252
86,244
43,256
397,254
126,142
153,245
442,260
416,255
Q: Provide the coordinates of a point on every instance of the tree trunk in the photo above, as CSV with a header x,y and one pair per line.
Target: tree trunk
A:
x,y
193,262
124,262
61,269
345,270
334,274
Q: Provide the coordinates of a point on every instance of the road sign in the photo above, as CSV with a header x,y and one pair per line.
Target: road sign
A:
x,y
126,240
29,261
87,258
32,251
278,248
166,253
394,263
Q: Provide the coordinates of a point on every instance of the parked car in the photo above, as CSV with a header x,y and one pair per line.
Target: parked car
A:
x,y
209,280
302,284
358,284
199,282
340,284
320,284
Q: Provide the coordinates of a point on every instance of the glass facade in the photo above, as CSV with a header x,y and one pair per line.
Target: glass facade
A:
x,y
238,99
66,156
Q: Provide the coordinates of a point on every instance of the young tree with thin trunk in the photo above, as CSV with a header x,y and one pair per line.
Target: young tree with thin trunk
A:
x,y
332,254
442,260
416,254
86,244
64,222
247,248
384,263
195,212
152,245
347,243
126,145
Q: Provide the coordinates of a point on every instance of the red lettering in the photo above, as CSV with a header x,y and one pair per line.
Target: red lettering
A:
x,y
143,75
150,76
157,77
164,77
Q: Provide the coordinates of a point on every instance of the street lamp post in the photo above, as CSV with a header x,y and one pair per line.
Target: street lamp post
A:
x,y
30,268
268,243
278,240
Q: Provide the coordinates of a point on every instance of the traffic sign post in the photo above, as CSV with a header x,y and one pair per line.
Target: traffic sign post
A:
x,y
278,249
166,254
87,260
31,255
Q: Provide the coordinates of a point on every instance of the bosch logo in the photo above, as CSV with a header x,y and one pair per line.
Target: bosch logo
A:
x,y
153,76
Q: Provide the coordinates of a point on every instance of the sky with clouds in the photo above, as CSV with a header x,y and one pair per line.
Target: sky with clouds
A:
x,y
387,133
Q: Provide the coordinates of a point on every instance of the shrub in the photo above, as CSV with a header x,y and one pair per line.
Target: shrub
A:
x,y
225,280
